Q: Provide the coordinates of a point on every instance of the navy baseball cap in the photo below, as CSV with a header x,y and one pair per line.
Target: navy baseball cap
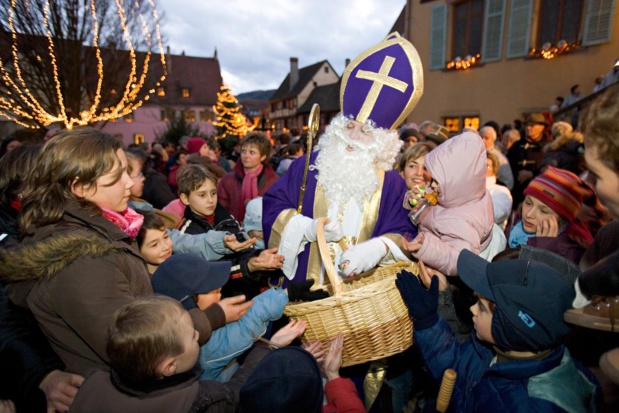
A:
x,y
183,275
530,300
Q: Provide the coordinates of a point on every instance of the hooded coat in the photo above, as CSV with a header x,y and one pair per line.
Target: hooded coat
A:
x,y
463,217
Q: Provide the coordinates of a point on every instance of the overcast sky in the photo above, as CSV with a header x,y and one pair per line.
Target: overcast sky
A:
x,y
256,38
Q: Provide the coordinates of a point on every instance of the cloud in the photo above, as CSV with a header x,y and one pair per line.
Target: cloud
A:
x,y
255,39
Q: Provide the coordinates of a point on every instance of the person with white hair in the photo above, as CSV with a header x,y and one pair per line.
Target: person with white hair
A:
x,y
504,174
350,178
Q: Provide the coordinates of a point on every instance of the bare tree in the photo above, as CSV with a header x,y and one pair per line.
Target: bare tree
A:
x,y
77,62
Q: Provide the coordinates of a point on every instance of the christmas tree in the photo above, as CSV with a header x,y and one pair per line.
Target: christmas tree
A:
x,y
231,123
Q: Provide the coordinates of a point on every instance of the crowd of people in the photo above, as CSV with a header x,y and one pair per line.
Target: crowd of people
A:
x,y
155,279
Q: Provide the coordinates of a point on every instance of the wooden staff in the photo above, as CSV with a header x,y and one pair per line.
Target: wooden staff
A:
x,y
444,393
312,127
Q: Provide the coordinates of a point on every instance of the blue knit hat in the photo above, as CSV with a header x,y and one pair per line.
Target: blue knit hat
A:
x,y
530,300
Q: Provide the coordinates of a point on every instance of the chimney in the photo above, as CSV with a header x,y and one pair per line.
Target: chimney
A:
x,y
346,63
168,60
294,71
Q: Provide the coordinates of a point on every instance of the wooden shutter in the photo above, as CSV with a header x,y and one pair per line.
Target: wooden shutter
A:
x,y
519,31
599,16
493,30
438,36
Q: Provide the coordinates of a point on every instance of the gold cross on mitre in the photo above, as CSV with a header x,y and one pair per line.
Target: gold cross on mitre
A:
x,y
380,79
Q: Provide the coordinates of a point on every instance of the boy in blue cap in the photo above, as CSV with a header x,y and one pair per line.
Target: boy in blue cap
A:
x,y
515,361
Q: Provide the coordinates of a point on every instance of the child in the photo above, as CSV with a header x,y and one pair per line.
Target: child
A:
x,y
196,282
157,244
252,224
198,191
515,361
250,178
153,349
289,380
463,217
550,214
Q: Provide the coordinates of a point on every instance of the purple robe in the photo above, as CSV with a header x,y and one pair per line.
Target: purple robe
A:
x,y
284,194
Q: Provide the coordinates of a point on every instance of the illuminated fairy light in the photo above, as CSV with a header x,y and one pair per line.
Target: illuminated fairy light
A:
x,y
548,51
22,107
228,115
462,64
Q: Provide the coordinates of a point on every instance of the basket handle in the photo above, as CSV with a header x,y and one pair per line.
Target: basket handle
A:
x,y
335,279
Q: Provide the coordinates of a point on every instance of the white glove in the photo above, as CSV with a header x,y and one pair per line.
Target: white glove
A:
x,y
362,257
333,231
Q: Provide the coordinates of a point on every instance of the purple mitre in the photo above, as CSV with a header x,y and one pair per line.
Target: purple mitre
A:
x,y
383,83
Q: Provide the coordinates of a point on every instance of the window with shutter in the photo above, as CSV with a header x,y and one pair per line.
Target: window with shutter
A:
x,y
438,27
560,20
493,30
599,17
467,33
518,32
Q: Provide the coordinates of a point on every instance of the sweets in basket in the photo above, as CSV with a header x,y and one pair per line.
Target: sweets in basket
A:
x,y
367,309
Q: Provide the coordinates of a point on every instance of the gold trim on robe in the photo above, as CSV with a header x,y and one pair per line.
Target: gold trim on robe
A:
x,y
277,230
368,222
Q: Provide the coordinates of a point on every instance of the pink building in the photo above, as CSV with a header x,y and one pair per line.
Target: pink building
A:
x,y
189,90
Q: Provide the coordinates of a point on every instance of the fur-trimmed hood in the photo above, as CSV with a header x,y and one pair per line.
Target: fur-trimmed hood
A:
x,y
43,259
575,139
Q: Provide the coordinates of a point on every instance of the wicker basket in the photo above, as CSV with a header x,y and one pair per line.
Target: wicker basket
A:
x,y
367,309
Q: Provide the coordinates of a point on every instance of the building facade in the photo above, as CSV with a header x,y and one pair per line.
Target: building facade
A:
x,y
501,59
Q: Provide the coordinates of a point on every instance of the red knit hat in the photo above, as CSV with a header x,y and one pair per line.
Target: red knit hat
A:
x,y
195,144
561,190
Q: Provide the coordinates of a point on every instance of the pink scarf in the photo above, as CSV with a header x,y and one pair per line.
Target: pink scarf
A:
x,y
249,190
129,221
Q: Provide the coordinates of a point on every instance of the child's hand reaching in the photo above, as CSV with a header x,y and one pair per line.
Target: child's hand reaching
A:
x,y
233,244
316,350
412,246
285,335
333,361
267,260
235,307
426,274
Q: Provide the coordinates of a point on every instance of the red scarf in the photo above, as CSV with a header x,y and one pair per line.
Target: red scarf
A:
x,y
249,190
129,221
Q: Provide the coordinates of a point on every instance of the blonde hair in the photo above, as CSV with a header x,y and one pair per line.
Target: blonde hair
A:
x,y
413,152
72,157
142,334
600,126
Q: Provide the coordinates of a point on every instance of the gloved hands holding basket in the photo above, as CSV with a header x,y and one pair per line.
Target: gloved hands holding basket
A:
x,y
362,257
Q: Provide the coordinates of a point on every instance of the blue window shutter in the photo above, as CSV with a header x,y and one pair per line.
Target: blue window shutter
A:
x,y
438,36
519,31
493,30
599,16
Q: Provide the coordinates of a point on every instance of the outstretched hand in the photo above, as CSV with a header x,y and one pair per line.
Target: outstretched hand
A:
x,y
60,389
427,273
315,349
412,246
422,304
333,361
267,260
233,244
235,307
285,335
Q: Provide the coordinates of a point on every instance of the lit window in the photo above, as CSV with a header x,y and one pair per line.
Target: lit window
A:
x,y
129,118
471,122
160,91
190,115
138,138
453,124
164,115
185,92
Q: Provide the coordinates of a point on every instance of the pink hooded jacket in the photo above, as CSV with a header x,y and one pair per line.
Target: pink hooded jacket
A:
x,y
463,217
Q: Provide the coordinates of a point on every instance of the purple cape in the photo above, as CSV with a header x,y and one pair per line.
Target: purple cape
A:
x,y
284,194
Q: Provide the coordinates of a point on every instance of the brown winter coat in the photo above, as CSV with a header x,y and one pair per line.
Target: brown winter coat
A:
x,y
73,275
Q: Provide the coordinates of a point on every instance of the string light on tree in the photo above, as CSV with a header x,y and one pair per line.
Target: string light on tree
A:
x,y
230,123
63,93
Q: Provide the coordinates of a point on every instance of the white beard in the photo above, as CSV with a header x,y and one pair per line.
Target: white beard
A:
x,y
346,175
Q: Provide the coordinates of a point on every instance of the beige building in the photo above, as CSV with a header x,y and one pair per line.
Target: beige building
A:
x,y
510,77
